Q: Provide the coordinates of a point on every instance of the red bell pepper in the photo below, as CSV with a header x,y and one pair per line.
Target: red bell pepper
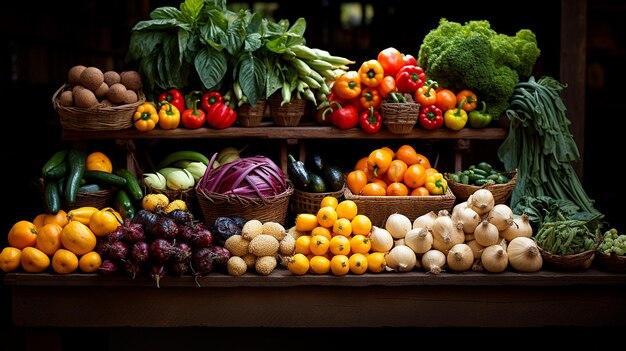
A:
x,y
345,117
371,121
324,113
431,117
220,116
209,98
193,118
410,78
174,97
409,60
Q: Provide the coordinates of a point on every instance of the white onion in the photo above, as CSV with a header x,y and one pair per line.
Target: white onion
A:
x,y
433,261
486,234
419,240
445,233
465,215
477,249
460,258
401,259
524,255
521,227
398,225
501,216
380,239
494,258
481,201
425,221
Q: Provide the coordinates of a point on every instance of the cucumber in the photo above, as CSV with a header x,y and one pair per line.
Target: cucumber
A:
x,y
182,155
56,159
124,205
52,196
57,172
132,184
333,177
76,162
105,178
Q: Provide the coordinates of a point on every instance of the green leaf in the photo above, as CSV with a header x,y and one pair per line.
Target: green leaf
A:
x,y
167,13
183,39
252,42
252,74
155,24
295,34
211,67
191,9
271,29
143,43
272,77
277,45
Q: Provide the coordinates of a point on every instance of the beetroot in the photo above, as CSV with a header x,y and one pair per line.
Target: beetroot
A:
x,y
133,232
164,228
181,217
101,246
109,267
140,252
145,218
181,252
177,268
118,250
202,261
116,235
221,255
133,268
157,272
160,250
198,234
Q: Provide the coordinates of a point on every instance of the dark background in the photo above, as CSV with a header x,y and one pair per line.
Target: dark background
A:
x,y
41,42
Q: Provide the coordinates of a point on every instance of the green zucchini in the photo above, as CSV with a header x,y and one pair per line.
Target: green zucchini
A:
x,y
317,184
132,184
333,177
105,178
76,162
56,159
57,172
298,173
123,204
52,196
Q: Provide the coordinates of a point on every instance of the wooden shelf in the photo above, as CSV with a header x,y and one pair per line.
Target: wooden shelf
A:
x,y
273,132
414,299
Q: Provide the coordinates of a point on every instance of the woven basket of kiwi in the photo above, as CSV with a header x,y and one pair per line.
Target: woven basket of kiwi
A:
x,y
93,100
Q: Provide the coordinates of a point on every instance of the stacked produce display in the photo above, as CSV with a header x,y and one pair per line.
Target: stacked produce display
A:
x,y
197,214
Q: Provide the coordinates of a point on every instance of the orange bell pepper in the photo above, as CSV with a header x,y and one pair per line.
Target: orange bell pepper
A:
x,y
427,95
371,73
387,85
470,99
370,97
348,85
378,162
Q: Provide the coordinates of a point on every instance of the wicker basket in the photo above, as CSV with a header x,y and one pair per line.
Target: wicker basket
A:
x,y
611,263
98,117
378,208
579,261
273,208
501,192
186,195
98,199
288,115
305,202
400,118
251,116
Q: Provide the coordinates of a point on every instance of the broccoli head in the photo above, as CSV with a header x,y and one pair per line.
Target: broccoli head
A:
x,y
473,56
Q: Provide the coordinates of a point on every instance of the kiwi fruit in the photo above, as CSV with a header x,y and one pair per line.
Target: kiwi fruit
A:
x,y
73,75
85,98
91,78
131,80
66,98
111,77
130,97
102,91
117,93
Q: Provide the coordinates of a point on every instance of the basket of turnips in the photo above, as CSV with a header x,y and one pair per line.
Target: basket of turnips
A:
x,y
93,100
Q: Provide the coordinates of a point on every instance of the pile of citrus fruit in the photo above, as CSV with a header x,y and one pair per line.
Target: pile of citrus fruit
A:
x,y
334,241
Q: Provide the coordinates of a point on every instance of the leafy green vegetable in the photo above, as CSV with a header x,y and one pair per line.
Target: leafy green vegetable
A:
x,y
474,56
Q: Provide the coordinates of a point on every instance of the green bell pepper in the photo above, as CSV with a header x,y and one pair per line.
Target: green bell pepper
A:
x,y
480,118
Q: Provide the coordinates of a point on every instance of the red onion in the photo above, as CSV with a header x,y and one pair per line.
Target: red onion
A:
x,y
256,177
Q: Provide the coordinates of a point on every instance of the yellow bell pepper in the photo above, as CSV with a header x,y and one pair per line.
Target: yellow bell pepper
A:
x,y
436,184
169,116
146,117
371,73
379,161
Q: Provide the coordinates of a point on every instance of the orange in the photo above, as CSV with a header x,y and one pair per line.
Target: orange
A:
x,y
397,189
303,244
64,261
356,180
98,161
38,221
319,265
329,201
59,218
358,263
49,238
305,222
319,245
34,260
339,245
361,224
104,222
326,216
360,244
339,265
420,191
23,234
347,209
374,189
298,264
343,227
415,176
78,238
319,230
10,259
90,262
376,262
